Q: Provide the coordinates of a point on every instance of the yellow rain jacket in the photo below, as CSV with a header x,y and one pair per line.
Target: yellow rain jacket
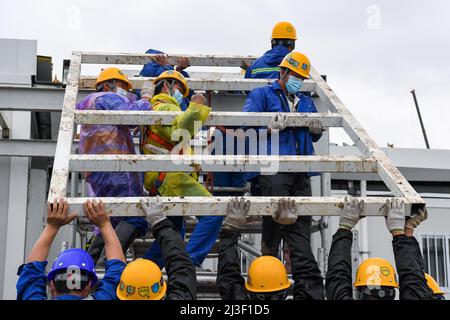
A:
x,y
174,183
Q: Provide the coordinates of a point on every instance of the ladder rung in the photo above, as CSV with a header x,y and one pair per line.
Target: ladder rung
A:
x,y
244,119
238,84
140,59
221,163
217,206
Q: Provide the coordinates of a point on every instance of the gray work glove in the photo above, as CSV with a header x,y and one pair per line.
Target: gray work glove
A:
x,y
278,122
153,211
414,221
351,213
237,213
286,213
148,90
315,127
395,219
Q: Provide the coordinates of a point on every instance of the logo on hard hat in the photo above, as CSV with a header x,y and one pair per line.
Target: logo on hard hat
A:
x,y
289,29
155,287
144,291
292,62
121,286
385,271
131,290
305,66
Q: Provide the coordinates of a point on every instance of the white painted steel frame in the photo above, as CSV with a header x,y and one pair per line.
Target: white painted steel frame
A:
x,y
215,205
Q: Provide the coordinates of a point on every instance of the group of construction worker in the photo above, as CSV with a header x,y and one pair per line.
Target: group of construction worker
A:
x,y
73,274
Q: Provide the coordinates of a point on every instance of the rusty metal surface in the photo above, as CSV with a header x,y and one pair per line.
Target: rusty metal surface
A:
x,y
238,84
140,59
393,179
221,163
244,119
58,183
217,206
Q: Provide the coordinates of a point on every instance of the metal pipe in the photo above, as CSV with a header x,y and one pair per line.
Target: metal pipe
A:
x,y
413,92
363,231
248,248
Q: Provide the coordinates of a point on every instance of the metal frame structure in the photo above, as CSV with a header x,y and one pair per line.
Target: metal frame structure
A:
x,y
372,161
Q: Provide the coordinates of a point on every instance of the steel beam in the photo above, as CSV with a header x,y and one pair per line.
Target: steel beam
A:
x,y
217,206
393,179
220,163
34,99
58,184
140,59
206,84
244,119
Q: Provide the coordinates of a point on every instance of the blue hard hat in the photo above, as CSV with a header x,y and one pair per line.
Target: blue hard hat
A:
x,y
153,51
74,258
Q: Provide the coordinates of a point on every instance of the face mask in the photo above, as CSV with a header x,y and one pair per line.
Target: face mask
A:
x,y
177,95
293,84
122,92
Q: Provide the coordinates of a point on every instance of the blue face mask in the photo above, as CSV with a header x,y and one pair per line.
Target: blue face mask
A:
x,y
177,95
293,84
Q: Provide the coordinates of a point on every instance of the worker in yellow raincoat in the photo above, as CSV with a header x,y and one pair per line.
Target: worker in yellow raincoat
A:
x,y
171,88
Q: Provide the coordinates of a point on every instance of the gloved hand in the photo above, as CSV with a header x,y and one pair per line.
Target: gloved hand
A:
x,y
154,211
148,90
199,98
351,213
315,127
286,212
237,213
414,221
278,122
395,219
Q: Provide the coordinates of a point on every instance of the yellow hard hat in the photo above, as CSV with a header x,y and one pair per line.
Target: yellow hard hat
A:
x,y
175,75
284,30
297,62
433,284
111,74
376,272
267,274
141,280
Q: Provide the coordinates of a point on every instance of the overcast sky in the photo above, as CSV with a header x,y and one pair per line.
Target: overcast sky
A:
x,y
374,52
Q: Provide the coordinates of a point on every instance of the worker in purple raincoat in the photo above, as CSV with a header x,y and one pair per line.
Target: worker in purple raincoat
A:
x,y
113,94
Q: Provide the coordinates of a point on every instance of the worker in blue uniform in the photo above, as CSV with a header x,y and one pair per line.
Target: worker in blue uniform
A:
x,y
283,40
160,64
282,97
72,275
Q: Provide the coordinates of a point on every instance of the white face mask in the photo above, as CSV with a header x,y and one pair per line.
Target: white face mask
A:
x,y
122,92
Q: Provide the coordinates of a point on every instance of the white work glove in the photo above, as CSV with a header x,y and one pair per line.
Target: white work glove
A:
x,y
414,221
237,213
351,213
153,211
395,219
148,90
315,127
286,212
278,122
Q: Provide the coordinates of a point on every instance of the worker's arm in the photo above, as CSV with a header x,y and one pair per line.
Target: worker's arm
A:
x,y
31,284
97,215
182,279
408,258
57,216
116,263
229,278
296,231
338,282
